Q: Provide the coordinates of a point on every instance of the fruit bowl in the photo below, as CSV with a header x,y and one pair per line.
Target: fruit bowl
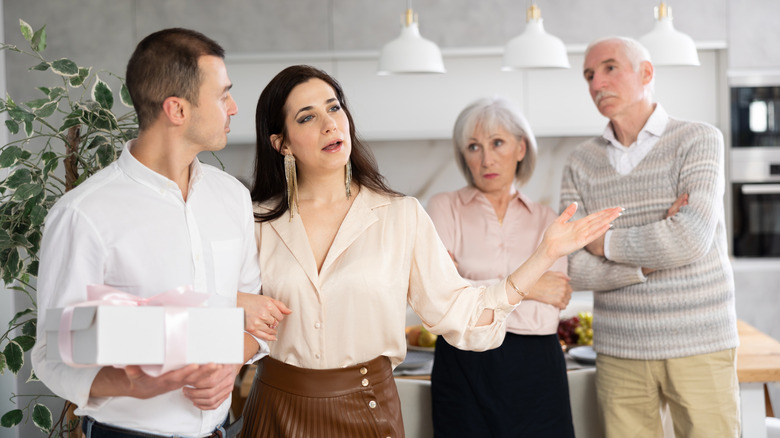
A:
x,y
419,339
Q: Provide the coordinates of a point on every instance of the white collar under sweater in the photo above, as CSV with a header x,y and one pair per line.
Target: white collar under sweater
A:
x,y
625,158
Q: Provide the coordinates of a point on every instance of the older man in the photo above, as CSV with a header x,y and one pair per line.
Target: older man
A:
x,y
664,316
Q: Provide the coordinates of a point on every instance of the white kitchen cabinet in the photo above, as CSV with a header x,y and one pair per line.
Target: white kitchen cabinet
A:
x,y
403,107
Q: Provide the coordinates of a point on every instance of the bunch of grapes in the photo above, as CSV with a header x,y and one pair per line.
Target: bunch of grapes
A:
x,y
567,330
577,330
585,329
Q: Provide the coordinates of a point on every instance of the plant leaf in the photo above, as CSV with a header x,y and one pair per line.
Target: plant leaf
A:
x,y
69,122
50,166
101,93
12,418
48,156
76,81
5,239
14,355
37,215
99,140
37,103
65,67
12,126
20,314
43,66
38,42
32,268
103,120
124,96
20,114
24,341
19,239
3,364
41,416
27,191
18,177
33,377
27,30
56,92
11,268
29,328
105,154
28,127
47,110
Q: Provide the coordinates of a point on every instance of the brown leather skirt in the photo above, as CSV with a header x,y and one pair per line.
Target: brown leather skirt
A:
x,y
290,402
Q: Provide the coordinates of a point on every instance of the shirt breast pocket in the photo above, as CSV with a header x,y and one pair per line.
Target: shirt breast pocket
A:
x,y
226,255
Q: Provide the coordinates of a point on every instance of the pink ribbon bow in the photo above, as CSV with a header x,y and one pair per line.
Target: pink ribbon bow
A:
x,y
175,302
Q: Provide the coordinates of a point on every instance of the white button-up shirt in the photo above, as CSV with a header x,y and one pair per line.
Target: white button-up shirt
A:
x,y
129,227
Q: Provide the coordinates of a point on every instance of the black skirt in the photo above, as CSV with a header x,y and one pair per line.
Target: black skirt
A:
x,y
519,389
290,402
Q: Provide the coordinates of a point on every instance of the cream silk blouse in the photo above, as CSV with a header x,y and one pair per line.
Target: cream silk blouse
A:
x,y
486,251
386,254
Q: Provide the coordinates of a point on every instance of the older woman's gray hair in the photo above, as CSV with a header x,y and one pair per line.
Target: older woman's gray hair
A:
x,y
490,114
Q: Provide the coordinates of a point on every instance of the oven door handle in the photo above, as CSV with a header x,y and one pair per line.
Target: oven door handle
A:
x,y
761,189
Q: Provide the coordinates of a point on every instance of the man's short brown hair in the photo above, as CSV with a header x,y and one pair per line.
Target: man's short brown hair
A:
x,y
165,64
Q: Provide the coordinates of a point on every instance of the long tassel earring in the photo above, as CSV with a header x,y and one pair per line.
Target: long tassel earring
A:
x,y
290,174
348,178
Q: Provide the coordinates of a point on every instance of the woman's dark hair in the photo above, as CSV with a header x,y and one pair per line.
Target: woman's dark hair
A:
x,y
269,181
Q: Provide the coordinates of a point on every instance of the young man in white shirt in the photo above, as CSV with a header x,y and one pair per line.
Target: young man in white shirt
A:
x,y
154,220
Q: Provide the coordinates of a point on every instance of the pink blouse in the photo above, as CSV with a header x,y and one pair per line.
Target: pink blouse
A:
x,y
487,251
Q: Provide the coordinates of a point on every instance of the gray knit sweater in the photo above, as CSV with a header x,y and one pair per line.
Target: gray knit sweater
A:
x,y
687,306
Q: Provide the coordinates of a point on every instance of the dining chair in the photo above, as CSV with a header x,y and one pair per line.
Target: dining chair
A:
x,y
415,398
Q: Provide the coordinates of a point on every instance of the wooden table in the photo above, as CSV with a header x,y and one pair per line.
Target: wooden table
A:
x,y
758,362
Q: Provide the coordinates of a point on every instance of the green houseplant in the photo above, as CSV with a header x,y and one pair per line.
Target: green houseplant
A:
x,y
57,141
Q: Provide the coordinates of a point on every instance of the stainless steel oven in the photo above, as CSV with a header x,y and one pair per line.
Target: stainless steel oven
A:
x,y
755,165
755,202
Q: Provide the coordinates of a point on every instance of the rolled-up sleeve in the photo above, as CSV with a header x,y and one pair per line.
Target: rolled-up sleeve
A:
x,y
447,304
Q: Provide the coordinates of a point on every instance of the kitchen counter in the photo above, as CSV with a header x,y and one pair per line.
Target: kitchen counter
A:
x,y
758,362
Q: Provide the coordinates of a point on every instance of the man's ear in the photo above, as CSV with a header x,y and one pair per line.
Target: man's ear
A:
x,y
175,109
647,72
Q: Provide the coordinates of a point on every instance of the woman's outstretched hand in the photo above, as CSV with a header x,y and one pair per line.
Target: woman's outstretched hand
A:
x,y
563,237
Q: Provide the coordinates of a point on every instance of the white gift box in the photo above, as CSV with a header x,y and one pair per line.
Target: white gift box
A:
x,y
129,335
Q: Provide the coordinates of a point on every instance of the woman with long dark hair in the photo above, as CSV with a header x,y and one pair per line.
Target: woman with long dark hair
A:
x,y
346,253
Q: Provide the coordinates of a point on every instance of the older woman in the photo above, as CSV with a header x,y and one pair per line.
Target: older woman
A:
x,y
519,388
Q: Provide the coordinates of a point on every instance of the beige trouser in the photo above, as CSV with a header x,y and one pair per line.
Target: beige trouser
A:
x,y
702,393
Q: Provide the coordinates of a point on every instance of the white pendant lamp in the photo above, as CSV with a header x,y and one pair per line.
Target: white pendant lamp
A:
x,y
535,48
410,52
666,45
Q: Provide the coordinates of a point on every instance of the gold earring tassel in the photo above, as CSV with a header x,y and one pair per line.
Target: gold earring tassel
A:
x,y
348,178
290,174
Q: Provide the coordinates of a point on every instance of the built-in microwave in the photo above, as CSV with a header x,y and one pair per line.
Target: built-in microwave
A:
x,y
755,111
